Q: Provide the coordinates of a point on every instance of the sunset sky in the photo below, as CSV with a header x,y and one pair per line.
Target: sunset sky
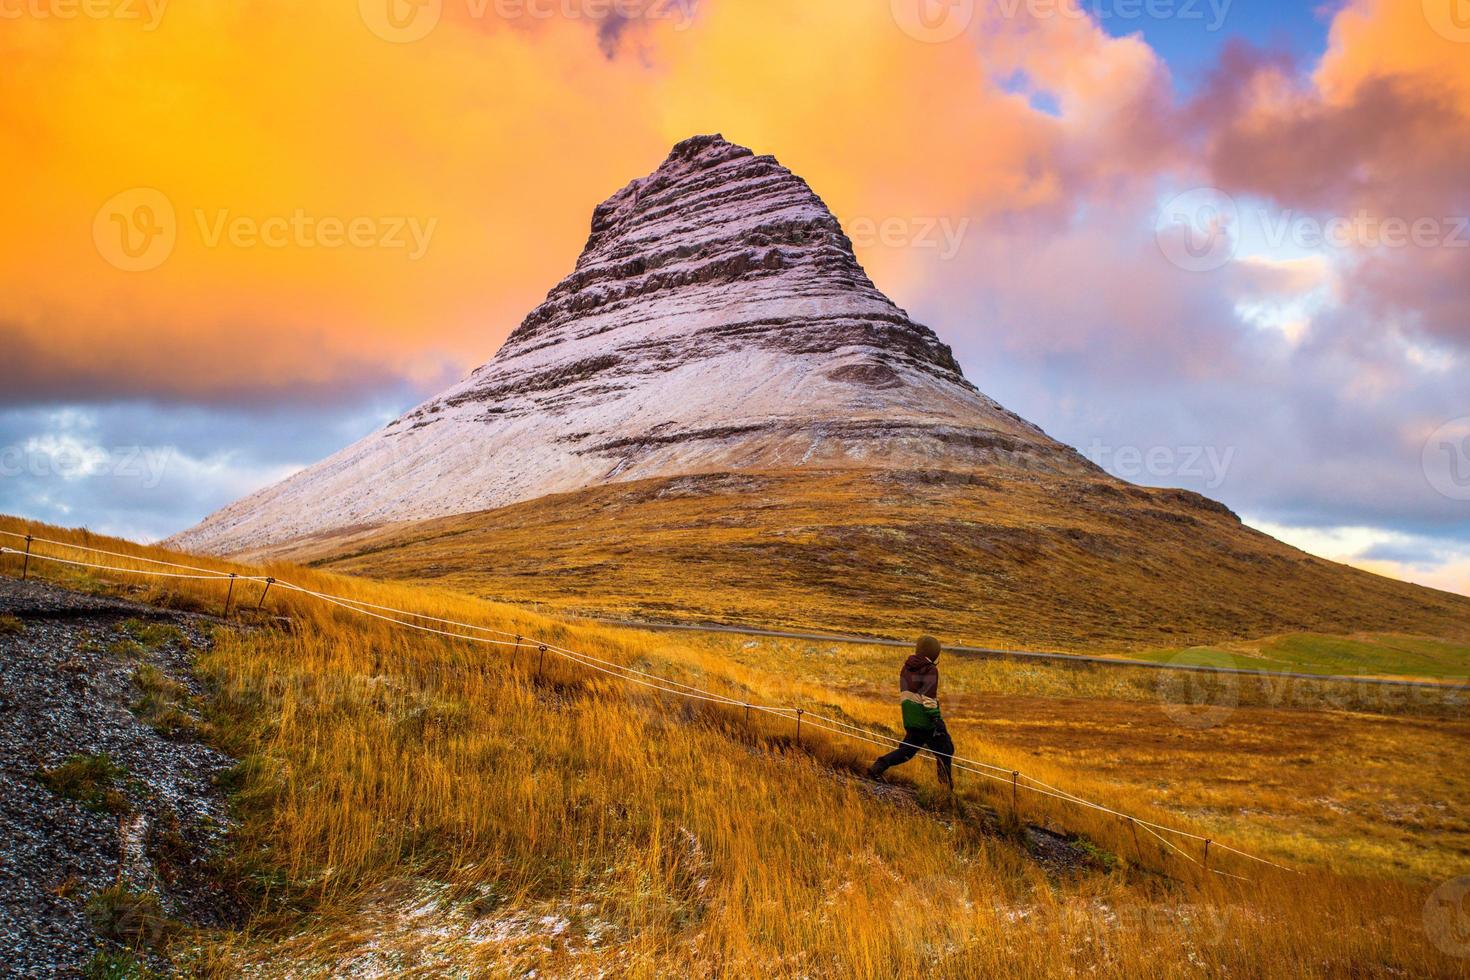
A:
x,y
1214,245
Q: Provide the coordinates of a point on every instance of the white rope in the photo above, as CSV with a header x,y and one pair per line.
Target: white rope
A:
x,y
117,554
531,645
132,571
350,604
964,764
334,600
434,619
661,684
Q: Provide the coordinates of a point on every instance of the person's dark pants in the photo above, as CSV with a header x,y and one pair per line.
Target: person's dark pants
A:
x,y
915,740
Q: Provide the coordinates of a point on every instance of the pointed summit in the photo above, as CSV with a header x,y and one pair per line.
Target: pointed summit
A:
x,y
716,319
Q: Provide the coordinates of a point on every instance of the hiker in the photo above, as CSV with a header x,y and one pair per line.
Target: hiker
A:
x,y
923,728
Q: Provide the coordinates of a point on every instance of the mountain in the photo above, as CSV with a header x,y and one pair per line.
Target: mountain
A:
x,y
716,319
718,417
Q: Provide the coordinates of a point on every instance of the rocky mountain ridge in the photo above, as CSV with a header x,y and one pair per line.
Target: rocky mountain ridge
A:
x,y
717,319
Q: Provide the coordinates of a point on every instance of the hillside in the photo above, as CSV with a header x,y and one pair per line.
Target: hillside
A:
x,y
986,559
417,804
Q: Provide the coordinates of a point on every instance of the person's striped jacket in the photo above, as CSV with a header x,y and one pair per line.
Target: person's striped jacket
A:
x,y
918,685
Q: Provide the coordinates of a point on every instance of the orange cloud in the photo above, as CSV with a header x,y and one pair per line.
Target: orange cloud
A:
x,y
1377,136
1375,38
346,207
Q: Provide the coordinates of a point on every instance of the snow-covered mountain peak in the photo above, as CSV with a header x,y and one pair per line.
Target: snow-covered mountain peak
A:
x,y
716,319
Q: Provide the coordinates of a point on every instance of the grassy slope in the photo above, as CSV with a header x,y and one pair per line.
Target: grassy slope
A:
x,y
1369,654
411,802
1018,562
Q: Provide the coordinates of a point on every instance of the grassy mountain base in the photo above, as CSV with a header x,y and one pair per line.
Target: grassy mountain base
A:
x,y
415,805
1014,561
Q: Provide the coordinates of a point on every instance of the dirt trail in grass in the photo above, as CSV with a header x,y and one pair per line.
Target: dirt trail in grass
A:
x,y
103,781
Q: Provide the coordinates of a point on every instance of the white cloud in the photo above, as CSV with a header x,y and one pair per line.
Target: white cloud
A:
x,y
1411,557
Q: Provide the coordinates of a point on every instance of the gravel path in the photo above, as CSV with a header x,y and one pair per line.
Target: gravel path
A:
x,y
70,668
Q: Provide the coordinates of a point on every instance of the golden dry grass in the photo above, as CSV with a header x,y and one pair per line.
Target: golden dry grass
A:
x,y
421,806
993,560
1352,776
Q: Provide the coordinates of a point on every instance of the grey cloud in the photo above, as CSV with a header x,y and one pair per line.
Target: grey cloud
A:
x,y
144,471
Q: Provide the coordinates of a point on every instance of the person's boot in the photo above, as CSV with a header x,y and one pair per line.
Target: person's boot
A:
x,y
876,771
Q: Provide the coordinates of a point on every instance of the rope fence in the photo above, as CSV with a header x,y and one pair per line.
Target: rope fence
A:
x,y
663,685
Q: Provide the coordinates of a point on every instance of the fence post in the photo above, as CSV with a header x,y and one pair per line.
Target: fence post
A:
x,y
25,563
1133,826
268,583
1015,792
799,713
229,593
747,716
542,662
1207,854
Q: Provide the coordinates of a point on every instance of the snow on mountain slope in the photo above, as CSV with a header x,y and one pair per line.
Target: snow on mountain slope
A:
x,y
717,319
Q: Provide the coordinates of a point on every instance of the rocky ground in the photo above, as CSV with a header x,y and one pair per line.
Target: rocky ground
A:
x,y
110,807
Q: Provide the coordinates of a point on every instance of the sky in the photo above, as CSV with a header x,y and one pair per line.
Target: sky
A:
x,y
1218,245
